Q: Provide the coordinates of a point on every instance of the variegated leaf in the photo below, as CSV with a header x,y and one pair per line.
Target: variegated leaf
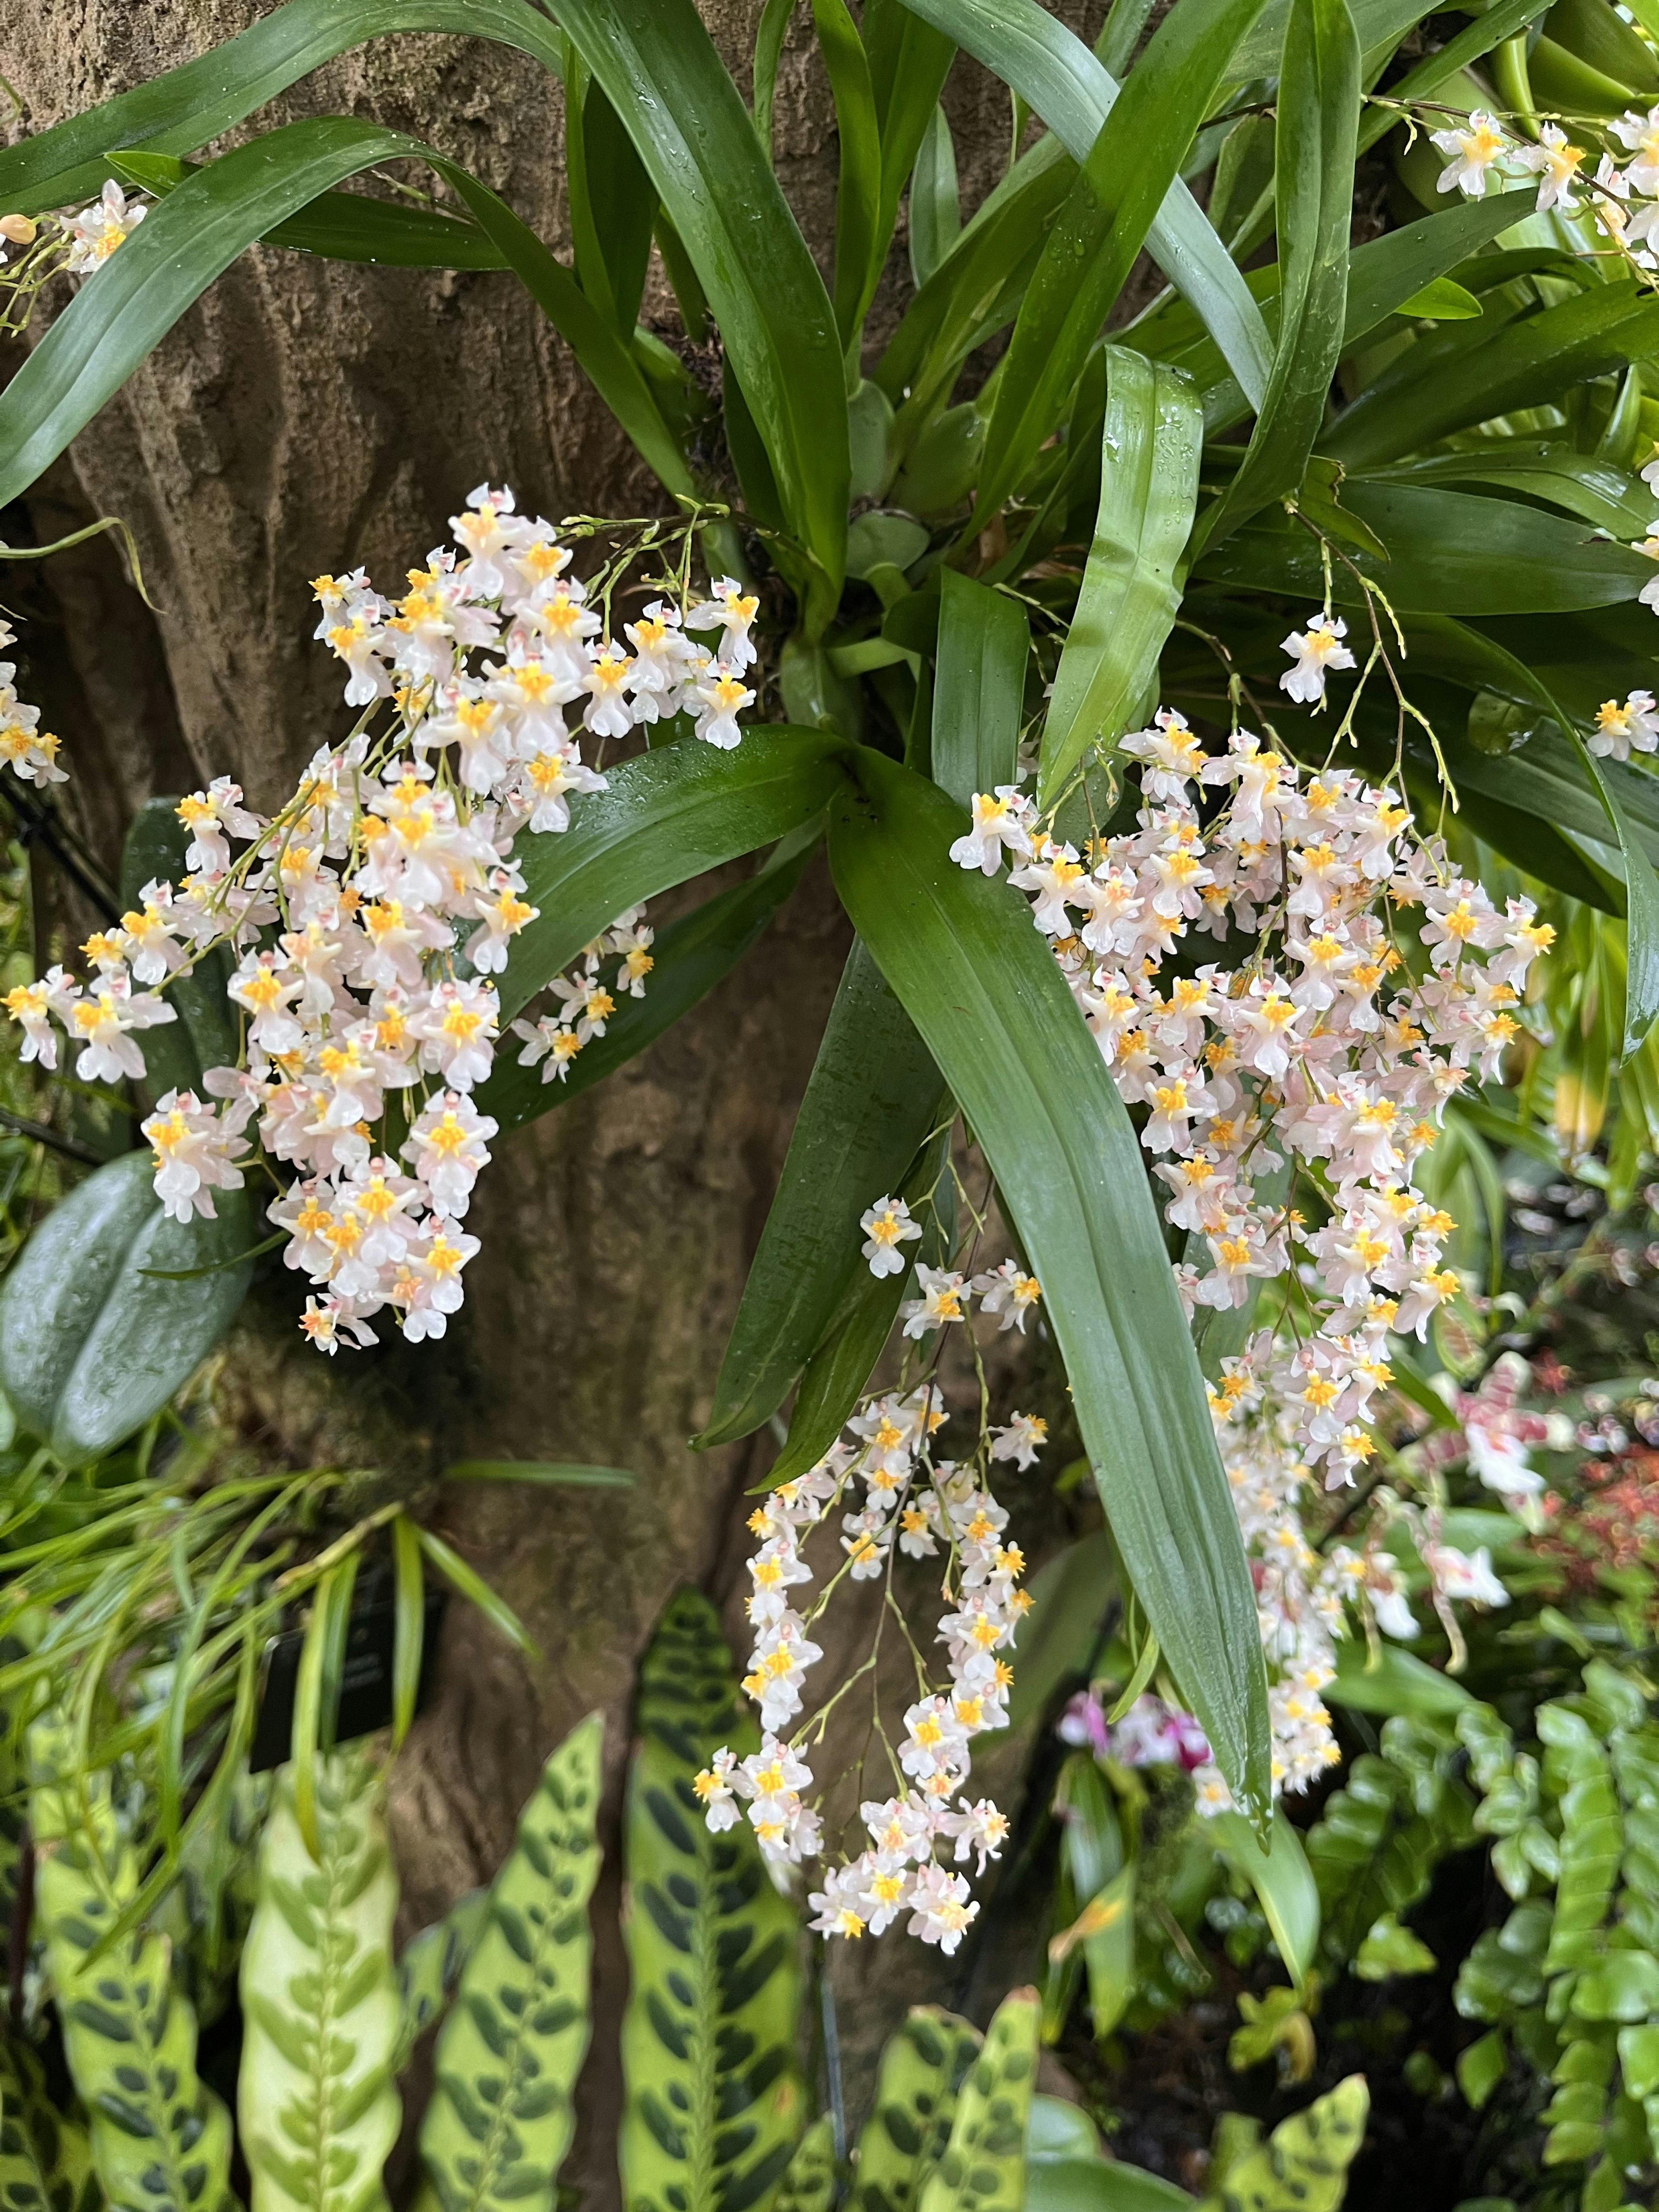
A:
x,y
714,2103
501,2115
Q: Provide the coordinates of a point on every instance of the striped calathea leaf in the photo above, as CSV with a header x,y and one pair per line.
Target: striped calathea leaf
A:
x,y
429,1965
45,2155
809,2180
317,2103
922,2068
713,2101
983,2167
160,2141
501,2115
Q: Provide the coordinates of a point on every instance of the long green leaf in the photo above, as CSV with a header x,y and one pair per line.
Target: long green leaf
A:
x,y
909,61
935,199
1462,374
1450,552
975,289
667,816
1060,80
872,1096
1149,448
1282,1880
978,687
1427,75
714,2103
199,229
1093,246
340,226
858,189
662,75
509,2052
187,106
1318,112
992,1009
691,955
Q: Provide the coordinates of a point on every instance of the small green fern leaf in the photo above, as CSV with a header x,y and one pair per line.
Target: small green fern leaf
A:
x,y
502,2116
983,2168
315,2098
922,2068
714,2104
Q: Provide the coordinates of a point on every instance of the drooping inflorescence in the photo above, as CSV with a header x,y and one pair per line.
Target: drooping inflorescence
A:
x,y
368,916
1299,1087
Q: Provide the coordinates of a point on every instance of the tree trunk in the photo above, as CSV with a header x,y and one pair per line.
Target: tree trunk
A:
x,y
311,416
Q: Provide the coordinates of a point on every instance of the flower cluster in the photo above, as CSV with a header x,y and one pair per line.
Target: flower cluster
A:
x,y
368,916
29,751
79,241
890,1494
1151,1733
1285,1102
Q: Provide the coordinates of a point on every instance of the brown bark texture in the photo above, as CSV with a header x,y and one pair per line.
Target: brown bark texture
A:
x,y
309,415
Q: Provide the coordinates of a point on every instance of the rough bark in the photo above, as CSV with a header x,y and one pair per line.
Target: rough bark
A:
x,y
309,415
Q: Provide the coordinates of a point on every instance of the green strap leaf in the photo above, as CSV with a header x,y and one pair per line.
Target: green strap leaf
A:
x,y
935,199
992,1009
978,687
661,74
1318,110
923,2065
118,318
201,100
1450,552
975,289
667,816
872,1096
613,204
714,2103
340,226
1466,374
76,1372
1130,168
909,61
1425,78
1283,1881
858,190
691,955
510,2050
1060,80
316,2103
1132,583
